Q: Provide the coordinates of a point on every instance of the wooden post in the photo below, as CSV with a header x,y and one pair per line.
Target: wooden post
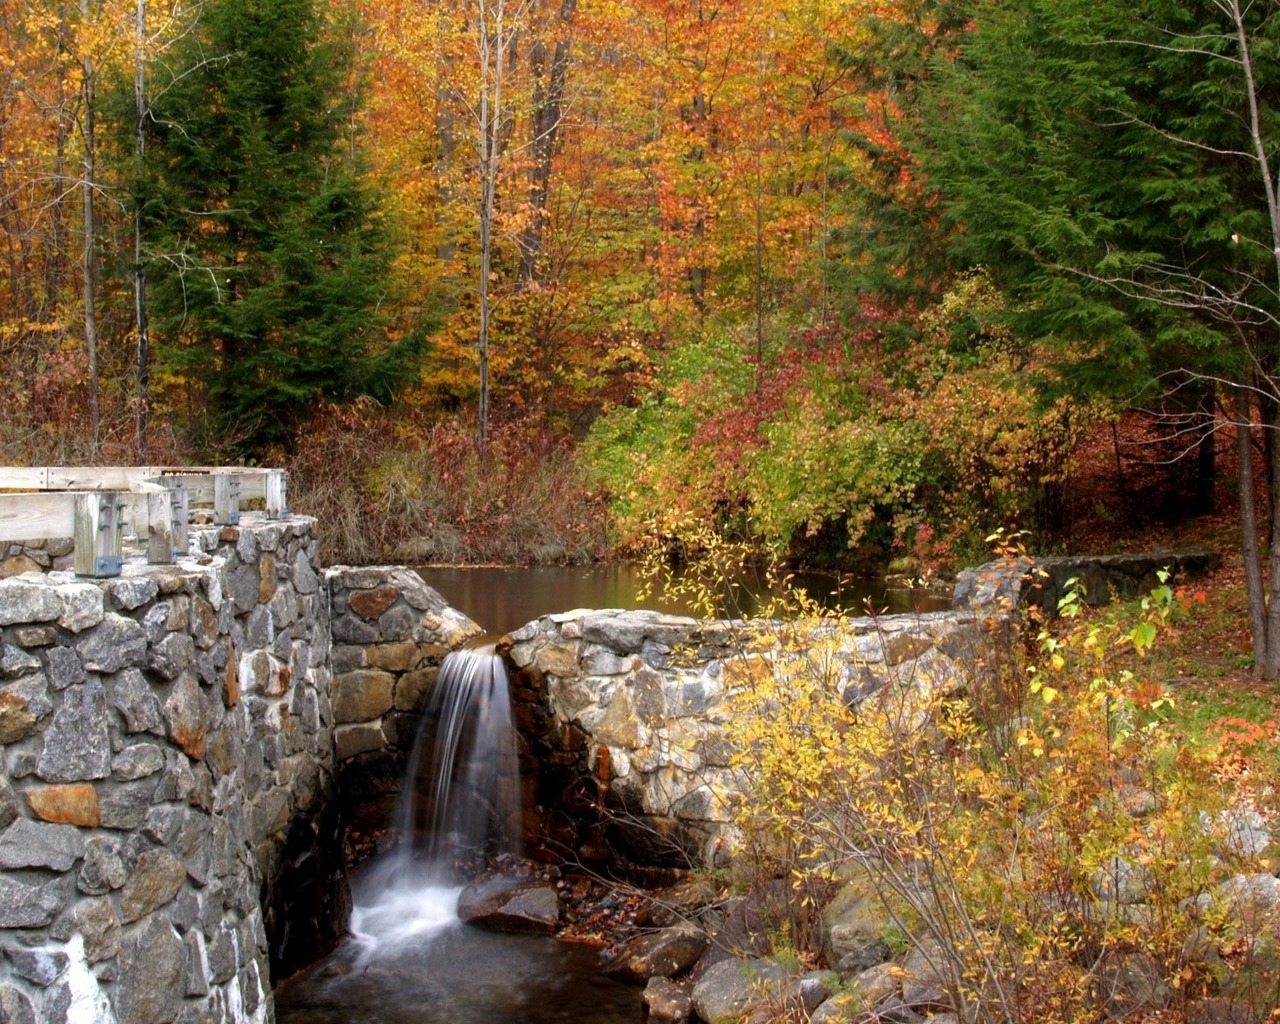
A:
x,y
180,516
159,528
226,499
277,495
98,534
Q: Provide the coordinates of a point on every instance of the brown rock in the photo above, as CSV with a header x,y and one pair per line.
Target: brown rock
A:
x,y
17,565
96,920
222,754
266,579
902,647
277,681
231,682
35,636
350,740
413,687
204,623
370,604
16,722
397,657
511,905
666,1002
66,805
362,696
184,711
156,880
558,659
658,954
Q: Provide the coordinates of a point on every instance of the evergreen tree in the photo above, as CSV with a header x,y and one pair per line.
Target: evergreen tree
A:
x,y
1113,164
268,253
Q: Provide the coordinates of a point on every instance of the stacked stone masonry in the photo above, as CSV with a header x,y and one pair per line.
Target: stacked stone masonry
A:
x,y
162,734
637,703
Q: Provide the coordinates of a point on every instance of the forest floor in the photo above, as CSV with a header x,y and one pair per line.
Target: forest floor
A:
x,y
1134,494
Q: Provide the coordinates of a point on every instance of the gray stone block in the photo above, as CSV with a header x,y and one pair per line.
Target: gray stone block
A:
x,y
24,600
77,745
63,667
152,975
41,967
23,905
104,867
118,642
37,844
15,1007
129,592
83,606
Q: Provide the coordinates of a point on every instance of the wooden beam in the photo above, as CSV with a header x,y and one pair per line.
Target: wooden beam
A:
x,y
198,479
37,516
226,499
277,494
159,527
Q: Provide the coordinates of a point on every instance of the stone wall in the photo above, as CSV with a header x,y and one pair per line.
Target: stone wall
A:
x,y
390,633
622,713
166,736
634,762
1041,582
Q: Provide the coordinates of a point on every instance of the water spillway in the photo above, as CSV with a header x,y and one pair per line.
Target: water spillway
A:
x,y
461,802
459,809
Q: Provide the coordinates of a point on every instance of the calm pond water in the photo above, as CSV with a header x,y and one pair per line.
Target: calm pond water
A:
x,y
503,599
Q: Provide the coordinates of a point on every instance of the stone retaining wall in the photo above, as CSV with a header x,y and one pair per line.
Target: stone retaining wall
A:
x,y
1041,582
622,713
175,745
635,762
166,737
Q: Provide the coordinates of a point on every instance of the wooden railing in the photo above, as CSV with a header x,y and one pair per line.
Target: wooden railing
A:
x,y
97,505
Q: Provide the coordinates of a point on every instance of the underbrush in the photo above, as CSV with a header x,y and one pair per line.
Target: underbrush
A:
x,y
840,449
398,487
1066,849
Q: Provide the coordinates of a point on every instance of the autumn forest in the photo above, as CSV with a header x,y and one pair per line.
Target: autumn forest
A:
x,y
857,282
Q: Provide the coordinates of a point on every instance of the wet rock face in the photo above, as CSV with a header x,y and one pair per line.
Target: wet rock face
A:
x,y
161,733
661,954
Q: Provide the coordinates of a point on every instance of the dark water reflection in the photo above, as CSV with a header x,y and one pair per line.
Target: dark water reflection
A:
x,y
503,599
461,976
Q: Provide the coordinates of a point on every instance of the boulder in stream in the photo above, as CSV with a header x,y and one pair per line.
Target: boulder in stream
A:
x,y
664,954
511,905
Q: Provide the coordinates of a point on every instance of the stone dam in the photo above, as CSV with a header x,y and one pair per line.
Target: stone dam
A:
x,y
182,747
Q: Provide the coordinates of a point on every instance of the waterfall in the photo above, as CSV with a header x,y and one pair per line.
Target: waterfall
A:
x,y
460,805
462,796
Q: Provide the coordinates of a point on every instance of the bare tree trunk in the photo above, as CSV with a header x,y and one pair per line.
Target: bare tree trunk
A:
x,y
1249,526
491,44
1269,416
548,104
142,418
90,182
1206,450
